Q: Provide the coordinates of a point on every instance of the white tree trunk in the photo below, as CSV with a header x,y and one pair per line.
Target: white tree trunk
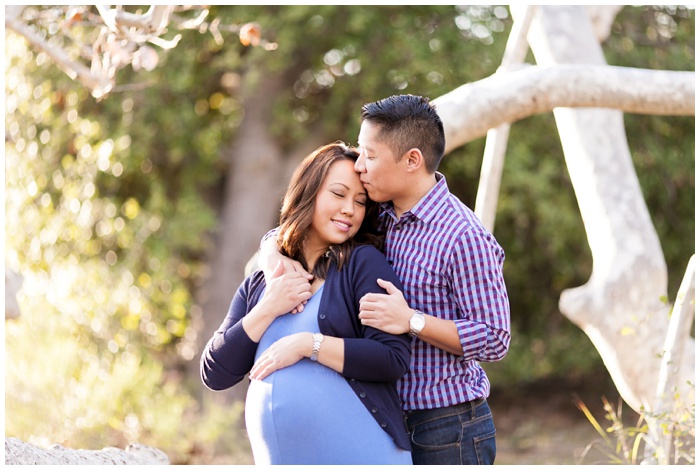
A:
x,y
674,354
21,453
620,308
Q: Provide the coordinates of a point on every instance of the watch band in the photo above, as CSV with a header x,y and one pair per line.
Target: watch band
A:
x,y
318,339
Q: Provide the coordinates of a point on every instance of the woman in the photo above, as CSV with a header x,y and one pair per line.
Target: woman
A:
x,y
322,385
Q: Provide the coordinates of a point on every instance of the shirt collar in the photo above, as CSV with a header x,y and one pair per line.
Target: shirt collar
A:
x,y
427,207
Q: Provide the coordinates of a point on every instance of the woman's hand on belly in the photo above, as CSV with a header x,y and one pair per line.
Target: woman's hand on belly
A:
x,y
283,353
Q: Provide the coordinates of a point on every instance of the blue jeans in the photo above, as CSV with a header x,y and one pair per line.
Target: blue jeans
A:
x,y
455,435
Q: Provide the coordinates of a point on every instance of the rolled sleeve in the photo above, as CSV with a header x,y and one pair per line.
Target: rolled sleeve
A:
x,y
480,293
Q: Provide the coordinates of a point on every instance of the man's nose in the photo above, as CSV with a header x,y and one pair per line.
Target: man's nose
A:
x,y
360,164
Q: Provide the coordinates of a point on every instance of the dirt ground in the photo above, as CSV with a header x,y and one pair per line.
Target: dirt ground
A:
x,y
540,424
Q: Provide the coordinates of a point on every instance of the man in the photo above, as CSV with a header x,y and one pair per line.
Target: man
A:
x,y
456,306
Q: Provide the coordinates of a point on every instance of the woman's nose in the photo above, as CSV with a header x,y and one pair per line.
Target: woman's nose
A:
x,y
348,207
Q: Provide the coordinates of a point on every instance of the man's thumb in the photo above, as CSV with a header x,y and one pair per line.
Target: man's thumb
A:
x,y
387,286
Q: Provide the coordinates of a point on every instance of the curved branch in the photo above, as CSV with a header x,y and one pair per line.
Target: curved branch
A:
x,y
152,22
99,85
511,96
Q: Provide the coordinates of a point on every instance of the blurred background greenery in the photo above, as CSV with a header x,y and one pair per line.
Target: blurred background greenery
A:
x,y
111,205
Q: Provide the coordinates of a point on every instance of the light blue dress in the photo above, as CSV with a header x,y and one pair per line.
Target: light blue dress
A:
x,y
308,414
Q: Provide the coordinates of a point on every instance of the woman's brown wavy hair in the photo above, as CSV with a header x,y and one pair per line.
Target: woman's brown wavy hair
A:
x,y
298,210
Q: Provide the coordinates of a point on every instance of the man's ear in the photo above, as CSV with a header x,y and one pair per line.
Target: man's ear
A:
x,y
414,160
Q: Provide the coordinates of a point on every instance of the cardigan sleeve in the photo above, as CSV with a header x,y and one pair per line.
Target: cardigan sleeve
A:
x,y
230,353
375,355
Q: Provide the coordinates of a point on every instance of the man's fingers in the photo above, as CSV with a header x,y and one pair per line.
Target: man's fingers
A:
x,y
291,266
295,284
366,314
388,286
297,276
373,301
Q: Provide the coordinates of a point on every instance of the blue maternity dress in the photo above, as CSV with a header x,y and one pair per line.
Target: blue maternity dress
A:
x,y
308,414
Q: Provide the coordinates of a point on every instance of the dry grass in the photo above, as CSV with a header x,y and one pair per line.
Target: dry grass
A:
x,y
540,424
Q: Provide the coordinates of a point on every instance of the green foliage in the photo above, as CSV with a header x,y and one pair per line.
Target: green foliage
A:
x,y
340,57
662,147
63,386
99,221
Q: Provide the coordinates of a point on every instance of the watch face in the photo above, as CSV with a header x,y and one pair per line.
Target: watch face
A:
x,y
417,321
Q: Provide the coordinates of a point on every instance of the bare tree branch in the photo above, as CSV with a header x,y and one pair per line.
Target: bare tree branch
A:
x,y
99,84
512,96
121,37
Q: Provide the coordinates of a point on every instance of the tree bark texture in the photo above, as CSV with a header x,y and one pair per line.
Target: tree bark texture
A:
x,y
621,307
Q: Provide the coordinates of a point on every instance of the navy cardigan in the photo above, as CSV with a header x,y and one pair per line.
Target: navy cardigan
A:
x,y
374,360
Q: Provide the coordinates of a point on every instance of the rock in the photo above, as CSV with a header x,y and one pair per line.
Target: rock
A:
x,y
18,452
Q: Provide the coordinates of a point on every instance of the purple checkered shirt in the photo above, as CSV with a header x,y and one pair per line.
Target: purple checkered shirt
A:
x,y
451,268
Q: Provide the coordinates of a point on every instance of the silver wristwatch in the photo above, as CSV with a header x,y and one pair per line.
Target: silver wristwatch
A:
x,y
318,339
416,323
